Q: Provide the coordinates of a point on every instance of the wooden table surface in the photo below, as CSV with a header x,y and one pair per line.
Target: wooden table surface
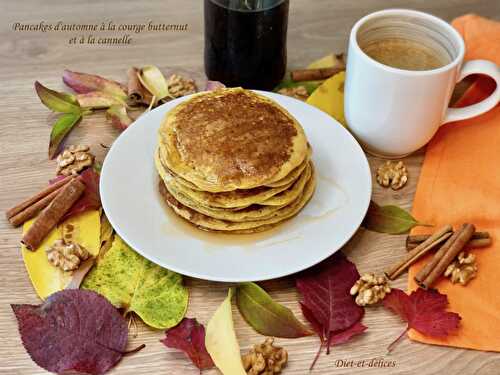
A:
x,y
316,28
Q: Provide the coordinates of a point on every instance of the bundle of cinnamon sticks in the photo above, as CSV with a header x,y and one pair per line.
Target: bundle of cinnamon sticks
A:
x,y
449,245
51,204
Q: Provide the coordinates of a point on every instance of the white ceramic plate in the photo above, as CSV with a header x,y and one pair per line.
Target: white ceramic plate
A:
x,y
129,193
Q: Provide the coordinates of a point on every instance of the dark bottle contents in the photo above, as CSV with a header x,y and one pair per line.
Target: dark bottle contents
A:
x,y
245,42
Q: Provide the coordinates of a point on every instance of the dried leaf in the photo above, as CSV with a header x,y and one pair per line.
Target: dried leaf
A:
x,y
189,336
336,338
106,236
266,316
221,342
214,85
80,273
47,279
154,81
98,100
329,97
83,83
135,284
327,303
424,310
73,330
389,219
60,130
118,116
90,199
57,101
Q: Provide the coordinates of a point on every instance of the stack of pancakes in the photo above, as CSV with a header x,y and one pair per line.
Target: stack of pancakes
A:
x,y
234,161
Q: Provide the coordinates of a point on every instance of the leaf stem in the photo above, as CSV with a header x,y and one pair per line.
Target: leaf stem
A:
x,y
316,356
132,351
392,344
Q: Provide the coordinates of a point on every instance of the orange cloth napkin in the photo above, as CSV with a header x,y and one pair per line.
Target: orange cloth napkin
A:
x,y
460,182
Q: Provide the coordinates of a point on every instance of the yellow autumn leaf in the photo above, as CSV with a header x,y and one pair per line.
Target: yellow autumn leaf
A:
x,y
325,62
221,342
329,97
46,278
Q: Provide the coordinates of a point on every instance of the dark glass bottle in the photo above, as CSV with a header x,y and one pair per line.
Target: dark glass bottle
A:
x,y
245,42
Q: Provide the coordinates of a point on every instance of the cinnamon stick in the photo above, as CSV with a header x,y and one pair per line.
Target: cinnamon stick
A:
x,y
315,74
32,210
134,87
53,213
442,259
412,256
473,243
30,201
422,237
426,270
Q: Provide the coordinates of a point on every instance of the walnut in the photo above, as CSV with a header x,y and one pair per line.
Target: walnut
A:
x,y
179,86
298,92
74,159
462,269
370,289
393,174
265,359
66,256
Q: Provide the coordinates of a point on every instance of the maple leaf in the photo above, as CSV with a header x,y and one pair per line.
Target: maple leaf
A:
x,y
327,303
189,336
73,330
424,310
90,199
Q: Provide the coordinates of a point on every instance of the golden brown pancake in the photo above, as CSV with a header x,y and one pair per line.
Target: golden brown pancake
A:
x,y
231,139
209,223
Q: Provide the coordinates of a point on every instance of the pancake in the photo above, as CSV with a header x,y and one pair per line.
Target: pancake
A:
x,y
291,177
250,213
235,198
231,139
212,224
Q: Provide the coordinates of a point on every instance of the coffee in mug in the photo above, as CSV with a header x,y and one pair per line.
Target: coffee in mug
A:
x,y
402,67
406,54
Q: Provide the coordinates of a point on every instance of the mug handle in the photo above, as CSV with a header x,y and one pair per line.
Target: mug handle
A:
x,y
476,67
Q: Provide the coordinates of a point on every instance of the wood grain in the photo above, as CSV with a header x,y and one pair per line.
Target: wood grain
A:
x,y
315,28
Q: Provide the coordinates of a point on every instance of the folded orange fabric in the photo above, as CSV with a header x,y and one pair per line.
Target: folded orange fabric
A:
x,y
460,182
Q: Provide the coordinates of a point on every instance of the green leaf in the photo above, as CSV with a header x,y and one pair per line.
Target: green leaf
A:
x,y
288,83
266,316
57,101
389,219
135,284
60,130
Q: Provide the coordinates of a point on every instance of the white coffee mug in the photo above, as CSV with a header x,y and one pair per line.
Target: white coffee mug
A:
x,y
393,112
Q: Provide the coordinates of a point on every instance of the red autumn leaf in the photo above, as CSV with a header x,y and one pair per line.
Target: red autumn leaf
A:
x,y
189,336
424,310
345,335
327,303
73,331
90,199
336,338
325,290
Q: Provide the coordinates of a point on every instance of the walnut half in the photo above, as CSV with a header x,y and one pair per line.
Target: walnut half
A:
x,y
73,160
370,289
462,269
393,174
66,256
298,92
265,359
179,86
